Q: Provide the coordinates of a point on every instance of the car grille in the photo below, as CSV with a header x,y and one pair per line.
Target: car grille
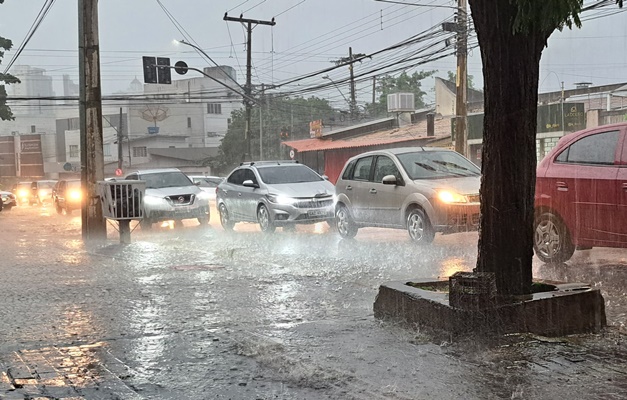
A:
x,y
313,203
181,199
473,198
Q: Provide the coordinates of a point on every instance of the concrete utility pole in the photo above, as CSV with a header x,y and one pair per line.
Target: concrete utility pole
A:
x,y
353,109
120,137
461,112
92,159
248,89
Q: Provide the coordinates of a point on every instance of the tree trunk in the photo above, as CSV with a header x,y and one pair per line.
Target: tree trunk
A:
x,y
511,64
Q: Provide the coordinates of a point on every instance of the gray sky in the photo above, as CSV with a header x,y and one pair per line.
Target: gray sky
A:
x,y
307,36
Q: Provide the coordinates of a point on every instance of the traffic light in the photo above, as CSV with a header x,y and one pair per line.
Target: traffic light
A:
x,y
285,134
157,70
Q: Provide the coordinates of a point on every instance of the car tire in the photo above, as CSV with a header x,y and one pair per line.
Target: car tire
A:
x,y
225,218
203,220
146,224
419,227
551,240
344,223
265,220
59,208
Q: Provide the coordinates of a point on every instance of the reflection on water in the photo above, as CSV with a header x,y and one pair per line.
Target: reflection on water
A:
x,y
451,265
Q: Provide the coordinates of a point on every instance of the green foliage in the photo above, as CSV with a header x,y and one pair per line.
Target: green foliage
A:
x,y
5,111
404,82
546,16
279,114
452,76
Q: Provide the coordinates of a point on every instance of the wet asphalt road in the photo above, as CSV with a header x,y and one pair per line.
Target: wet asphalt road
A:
x,y
199,313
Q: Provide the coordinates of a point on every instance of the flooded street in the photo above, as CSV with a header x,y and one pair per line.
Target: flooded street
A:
x,y
199,313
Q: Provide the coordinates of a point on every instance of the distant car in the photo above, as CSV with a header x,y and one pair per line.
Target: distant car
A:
x,y
171,195
23,193
41,191
274,193
207,184
424,190
581,194
8,201
67,196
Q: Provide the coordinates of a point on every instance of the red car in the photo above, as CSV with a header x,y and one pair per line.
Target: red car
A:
x,y
581,194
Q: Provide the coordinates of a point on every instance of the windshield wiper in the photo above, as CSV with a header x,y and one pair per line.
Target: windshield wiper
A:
x,y
426,166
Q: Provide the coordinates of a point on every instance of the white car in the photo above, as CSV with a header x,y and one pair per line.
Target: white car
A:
x,y
171,195
207,184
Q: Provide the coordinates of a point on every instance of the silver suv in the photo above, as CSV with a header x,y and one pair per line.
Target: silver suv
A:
x,y
275,193
424,190
171,195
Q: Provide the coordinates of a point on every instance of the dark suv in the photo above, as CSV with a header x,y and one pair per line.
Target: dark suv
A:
x,y
67,196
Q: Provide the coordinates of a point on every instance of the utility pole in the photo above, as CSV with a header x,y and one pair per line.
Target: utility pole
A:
x,y
350,68
374,89
261,125
248,89
461,112
120,136
90,106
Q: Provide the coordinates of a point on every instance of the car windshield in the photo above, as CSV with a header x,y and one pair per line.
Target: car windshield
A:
x,y
74,184
46,185
288,174
165,180
437,164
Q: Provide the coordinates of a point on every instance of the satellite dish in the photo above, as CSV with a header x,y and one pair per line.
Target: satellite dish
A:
x,y
155,114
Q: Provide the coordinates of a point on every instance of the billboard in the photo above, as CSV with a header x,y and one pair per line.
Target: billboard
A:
x,y
315,129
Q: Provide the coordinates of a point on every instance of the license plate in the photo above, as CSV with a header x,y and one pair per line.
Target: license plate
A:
x,y
316,213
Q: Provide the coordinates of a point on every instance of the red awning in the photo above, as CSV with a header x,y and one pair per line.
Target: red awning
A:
x,y
326,144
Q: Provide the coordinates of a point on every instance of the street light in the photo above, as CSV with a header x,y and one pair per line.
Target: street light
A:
x,y
201,51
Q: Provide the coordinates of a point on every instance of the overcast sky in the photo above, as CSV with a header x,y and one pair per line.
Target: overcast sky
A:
x,y
308,35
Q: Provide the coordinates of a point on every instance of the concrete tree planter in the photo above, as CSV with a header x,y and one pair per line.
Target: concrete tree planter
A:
x,y
571,308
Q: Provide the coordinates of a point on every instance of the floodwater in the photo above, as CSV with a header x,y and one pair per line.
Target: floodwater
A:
x,y
199,313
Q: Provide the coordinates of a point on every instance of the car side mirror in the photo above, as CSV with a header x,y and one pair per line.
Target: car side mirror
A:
x,y
326,178
249,183
196,183
389,180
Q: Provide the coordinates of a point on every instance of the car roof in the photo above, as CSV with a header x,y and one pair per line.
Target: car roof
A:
x,y
154,171
275,163
401,150
205,176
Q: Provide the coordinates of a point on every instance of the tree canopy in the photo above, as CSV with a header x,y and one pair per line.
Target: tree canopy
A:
x,y
5,79
388,84
283,119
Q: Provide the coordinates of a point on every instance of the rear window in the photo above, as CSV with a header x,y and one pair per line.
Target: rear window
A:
x,y
288,174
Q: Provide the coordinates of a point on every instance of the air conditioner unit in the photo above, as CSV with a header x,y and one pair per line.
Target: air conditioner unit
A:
x,y
401,102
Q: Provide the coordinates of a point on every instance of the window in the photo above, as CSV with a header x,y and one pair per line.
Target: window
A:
x,y
384,167
214,108
349,170
140,151
594,149
249,175
33,129
237,177
106,148
288,174
362,169
189,122
73,151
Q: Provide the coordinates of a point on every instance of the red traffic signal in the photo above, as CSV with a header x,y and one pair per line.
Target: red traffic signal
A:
x,y
118,172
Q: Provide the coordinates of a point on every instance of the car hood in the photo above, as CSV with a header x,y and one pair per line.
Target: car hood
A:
x,y
304,189
462,185
3,193
172,191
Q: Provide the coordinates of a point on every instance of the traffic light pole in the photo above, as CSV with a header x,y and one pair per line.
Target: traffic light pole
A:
x,y
248,89
90,107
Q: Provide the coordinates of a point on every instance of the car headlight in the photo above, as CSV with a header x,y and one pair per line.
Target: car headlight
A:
x,y
283,200
449,196
153,200
23,193
75,195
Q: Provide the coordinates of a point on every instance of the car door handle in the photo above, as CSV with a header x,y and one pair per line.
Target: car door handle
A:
x,y
625,187
349,187
562,187
239,195
373,191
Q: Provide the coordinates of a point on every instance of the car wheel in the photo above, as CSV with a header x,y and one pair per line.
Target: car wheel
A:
x,y
203,220
344,223
225,219
551,239
419,227
265,221
146,224
59,208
